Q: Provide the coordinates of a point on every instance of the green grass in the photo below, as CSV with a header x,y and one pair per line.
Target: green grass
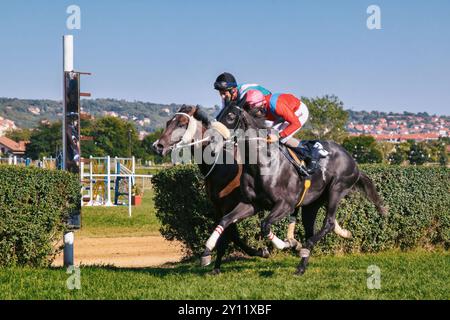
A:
x,y
114,221
151,170
410,275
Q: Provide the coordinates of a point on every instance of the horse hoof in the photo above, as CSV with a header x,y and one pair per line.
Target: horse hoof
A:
x,y
205,261
265,253
299,272
215,272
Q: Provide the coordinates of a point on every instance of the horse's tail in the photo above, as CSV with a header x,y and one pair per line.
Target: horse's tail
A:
x,y
366,185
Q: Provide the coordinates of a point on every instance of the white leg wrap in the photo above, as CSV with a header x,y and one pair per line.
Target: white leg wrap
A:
x,y
304,253
279,244
211,243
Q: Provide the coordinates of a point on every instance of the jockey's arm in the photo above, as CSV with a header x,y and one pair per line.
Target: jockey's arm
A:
x,y
289,116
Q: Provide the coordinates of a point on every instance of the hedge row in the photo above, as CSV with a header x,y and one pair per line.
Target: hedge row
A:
x,y
34,205
418,200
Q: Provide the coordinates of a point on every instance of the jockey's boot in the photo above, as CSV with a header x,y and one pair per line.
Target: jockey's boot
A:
x,y
310,157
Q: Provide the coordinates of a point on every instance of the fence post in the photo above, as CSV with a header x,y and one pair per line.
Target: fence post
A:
x,y
129,195
91,183
108,183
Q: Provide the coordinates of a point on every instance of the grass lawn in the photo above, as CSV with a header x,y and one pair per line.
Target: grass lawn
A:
x,y
410,275
404,275
114,221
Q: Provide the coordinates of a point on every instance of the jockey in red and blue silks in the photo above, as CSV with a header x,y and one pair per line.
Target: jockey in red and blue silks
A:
x,y
283,112
287,115
230,90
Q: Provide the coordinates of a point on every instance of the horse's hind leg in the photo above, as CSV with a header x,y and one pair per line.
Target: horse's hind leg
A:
x,y
234,234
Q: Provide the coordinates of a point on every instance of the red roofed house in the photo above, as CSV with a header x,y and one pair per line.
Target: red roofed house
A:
x,y
404,137
8,146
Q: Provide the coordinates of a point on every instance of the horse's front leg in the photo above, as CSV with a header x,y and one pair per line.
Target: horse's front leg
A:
x,y
240,212
278,212
328,225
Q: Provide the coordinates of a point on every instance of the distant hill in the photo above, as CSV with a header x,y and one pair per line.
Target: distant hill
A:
x,y
371,116
150,116
146,115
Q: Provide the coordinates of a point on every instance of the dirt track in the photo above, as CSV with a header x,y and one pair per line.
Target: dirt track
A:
x,y
125,251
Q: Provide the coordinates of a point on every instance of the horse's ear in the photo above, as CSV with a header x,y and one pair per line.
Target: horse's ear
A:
x,y
201,115
184,108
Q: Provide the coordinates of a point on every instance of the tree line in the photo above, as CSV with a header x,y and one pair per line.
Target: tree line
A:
x,y
118,137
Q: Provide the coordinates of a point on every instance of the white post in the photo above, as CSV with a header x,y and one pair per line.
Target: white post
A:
x,y
91,183
108,183
129,195
67,66
81,181
15,160
10,160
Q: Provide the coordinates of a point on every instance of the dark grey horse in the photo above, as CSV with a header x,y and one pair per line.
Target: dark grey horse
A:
x,y
187,129
280,190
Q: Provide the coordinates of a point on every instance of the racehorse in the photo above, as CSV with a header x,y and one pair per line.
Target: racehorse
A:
x,y
222,180
280,190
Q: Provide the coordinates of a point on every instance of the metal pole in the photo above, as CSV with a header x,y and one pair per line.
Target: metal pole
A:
x,y
67,66
82,182
91,183
129,195
108,183
129,143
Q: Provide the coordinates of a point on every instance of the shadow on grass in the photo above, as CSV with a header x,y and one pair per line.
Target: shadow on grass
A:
x,y
189,266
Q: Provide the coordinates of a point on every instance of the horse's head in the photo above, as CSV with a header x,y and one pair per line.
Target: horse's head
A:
x,y
187,123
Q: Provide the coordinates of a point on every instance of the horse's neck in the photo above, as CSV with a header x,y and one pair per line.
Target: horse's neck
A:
x,y
218,170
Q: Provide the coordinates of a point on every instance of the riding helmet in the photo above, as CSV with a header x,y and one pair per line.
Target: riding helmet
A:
x,y
225,81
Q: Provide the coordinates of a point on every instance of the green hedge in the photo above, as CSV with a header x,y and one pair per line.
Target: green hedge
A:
x,y
417,197
34,205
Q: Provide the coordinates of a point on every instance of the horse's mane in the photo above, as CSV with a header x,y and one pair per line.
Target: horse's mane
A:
x,y
256,121
199,114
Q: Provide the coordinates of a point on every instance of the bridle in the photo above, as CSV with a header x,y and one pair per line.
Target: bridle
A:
x,y
189,135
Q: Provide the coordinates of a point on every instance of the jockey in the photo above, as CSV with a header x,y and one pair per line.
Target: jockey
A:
x,y
230,90
287,115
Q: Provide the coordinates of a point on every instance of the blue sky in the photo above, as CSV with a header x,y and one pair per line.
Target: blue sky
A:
x,y
171,51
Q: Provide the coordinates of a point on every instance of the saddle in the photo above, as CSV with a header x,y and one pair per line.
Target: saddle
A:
x,y
294,158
